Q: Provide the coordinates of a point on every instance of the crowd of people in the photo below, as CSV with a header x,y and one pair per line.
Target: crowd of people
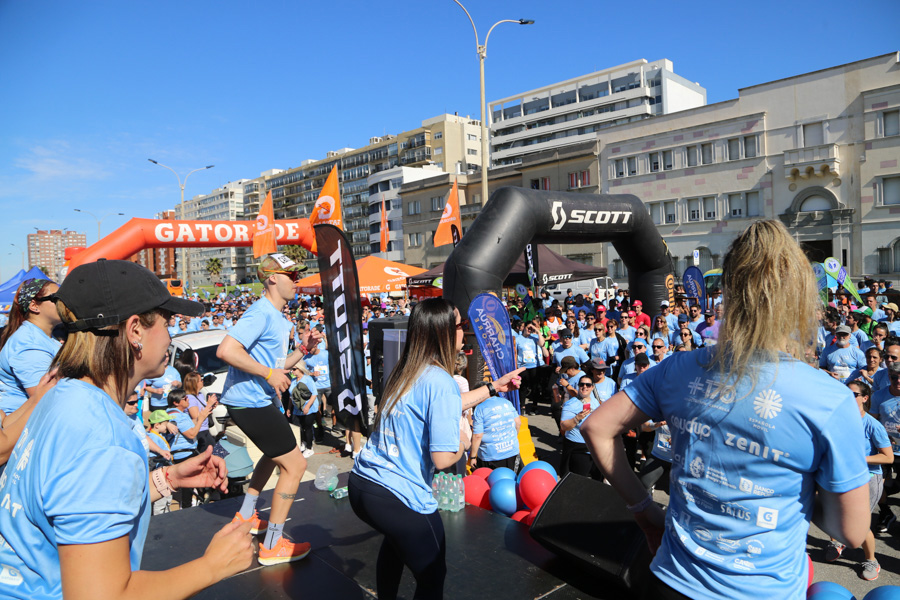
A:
x,y
608,369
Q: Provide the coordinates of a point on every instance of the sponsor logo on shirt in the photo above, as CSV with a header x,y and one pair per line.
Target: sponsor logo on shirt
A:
x,y
10,575
747,486
767,404
701,533
696,467
767,517
692,427
735,510
726,545
755,547
754,448
743,565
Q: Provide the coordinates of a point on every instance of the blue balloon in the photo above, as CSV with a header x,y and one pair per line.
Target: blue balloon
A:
x,y
500,473
538,464
885,592
503,496
829,595
821,587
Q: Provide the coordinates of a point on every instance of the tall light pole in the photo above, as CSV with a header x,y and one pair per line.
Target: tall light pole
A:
x,y
184,276
482,54
23,254
99,219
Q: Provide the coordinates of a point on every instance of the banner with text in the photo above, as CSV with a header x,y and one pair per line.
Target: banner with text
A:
x,y
343,324
490,321
694,286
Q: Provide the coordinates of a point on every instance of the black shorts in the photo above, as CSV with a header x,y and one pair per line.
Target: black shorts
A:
x,y
266,427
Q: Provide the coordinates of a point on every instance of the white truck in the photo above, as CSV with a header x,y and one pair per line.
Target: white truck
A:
x,y
585,287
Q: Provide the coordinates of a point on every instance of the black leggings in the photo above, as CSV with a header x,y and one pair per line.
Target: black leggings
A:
x,y
577,459
305,422
410,539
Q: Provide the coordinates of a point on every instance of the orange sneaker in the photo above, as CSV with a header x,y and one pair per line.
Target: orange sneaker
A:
x,y
257,525
284,551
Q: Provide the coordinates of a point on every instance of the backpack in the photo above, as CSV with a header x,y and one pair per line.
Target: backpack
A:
x,y
300,395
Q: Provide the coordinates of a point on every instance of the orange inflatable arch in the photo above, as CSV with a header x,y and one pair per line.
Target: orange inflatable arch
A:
x,y
138,234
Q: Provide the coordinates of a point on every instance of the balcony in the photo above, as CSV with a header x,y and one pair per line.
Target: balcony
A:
x,y
416,157
814,161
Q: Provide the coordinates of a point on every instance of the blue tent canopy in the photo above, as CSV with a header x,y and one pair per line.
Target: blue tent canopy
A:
x,y
8,288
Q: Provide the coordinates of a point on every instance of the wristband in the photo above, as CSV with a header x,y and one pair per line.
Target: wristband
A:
x,y
642,505
270,374
491,391
162,486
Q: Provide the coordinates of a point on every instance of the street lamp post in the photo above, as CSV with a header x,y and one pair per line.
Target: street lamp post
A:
x,y
99,219
482,54
23,254
181,185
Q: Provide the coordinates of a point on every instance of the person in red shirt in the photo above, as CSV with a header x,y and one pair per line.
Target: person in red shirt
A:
x,y
641,318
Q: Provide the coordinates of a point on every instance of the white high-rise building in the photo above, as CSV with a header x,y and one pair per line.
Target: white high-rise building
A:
x,y
222,204
573,111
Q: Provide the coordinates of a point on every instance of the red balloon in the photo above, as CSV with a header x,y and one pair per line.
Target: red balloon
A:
x,y
535,486
478,492
531,516
812,570
519,515
483,472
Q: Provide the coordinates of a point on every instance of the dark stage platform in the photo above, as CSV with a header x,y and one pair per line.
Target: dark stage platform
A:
x,y
488,555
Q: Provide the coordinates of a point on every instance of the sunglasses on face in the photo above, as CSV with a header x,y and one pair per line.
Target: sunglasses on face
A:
x,y
131,402
857,394
293,275
587,385
462,324
658,347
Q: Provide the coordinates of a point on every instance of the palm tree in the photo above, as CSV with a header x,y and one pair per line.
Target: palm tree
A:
x,y
214,267
296,253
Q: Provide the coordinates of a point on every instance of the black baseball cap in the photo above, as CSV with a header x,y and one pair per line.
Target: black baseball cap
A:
x,y
107,292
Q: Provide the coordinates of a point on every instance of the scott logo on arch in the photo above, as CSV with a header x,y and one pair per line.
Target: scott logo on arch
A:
x,y
588,217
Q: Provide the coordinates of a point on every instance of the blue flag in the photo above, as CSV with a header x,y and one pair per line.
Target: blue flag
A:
x,y
695,286
490,321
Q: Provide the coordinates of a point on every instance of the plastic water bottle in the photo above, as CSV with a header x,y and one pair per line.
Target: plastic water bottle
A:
x,y
339,493
326,477
461,493
434,488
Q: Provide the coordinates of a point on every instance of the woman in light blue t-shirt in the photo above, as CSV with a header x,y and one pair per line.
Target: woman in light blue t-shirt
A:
x,y
754,431
416,431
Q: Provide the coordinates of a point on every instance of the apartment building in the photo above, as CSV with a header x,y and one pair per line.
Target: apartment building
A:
x,y
159,260
818,151
47,247
573,111
449,143
222,204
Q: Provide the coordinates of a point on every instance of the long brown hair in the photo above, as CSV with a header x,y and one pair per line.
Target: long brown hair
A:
x,y
103,355
770,301
17,316
192,383
430,340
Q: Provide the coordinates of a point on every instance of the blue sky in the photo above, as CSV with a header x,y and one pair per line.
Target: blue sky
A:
x,y
89,90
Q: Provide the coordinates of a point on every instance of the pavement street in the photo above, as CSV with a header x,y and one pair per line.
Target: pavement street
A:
x,y
844,571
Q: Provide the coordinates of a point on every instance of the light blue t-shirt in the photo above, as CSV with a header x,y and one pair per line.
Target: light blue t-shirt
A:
x,y
397,455
527,351
318,366
495,420
628,366
628,333
573,407
181,446
160,401
744,469
876,439
311,384
842,361
263,332
857,374
70,481
25,358
880,380
605,389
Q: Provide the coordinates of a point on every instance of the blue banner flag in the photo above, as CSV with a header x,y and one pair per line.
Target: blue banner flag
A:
x,y
490,321
694,285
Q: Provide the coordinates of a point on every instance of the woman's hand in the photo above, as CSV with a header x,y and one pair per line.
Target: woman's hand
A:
x,y
230,551
510,381
653,523
202,471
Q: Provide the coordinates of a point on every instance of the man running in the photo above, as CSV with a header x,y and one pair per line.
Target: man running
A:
x,y
256,350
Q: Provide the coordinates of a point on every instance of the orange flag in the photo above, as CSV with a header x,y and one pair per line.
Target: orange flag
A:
x,y
450,228
327,209
264,236
384,227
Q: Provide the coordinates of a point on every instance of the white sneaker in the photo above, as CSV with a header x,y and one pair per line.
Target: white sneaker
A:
x,y
348,448
308,453
302,447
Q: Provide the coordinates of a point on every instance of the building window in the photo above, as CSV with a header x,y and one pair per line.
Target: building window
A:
x,y
663,213
439,135
414,208
654,162
573,180
415,240
620,167
693,205
667,160
693,156
706,259
619,270
471,137
890,190
535,184
545,183
709,208
438,151
579,179
813,134
585,178
890,120
437,203
734,149
750,146
632,165
472,151
706,153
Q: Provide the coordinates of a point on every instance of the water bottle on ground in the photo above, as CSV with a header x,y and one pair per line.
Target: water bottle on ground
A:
x,y
339,493
326,477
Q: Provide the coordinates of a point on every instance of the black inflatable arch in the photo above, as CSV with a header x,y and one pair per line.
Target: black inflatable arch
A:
x,y
516,216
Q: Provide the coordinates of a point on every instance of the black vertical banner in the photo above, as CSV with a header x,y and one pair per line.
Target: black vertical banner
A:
x,y
532,267
343,326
